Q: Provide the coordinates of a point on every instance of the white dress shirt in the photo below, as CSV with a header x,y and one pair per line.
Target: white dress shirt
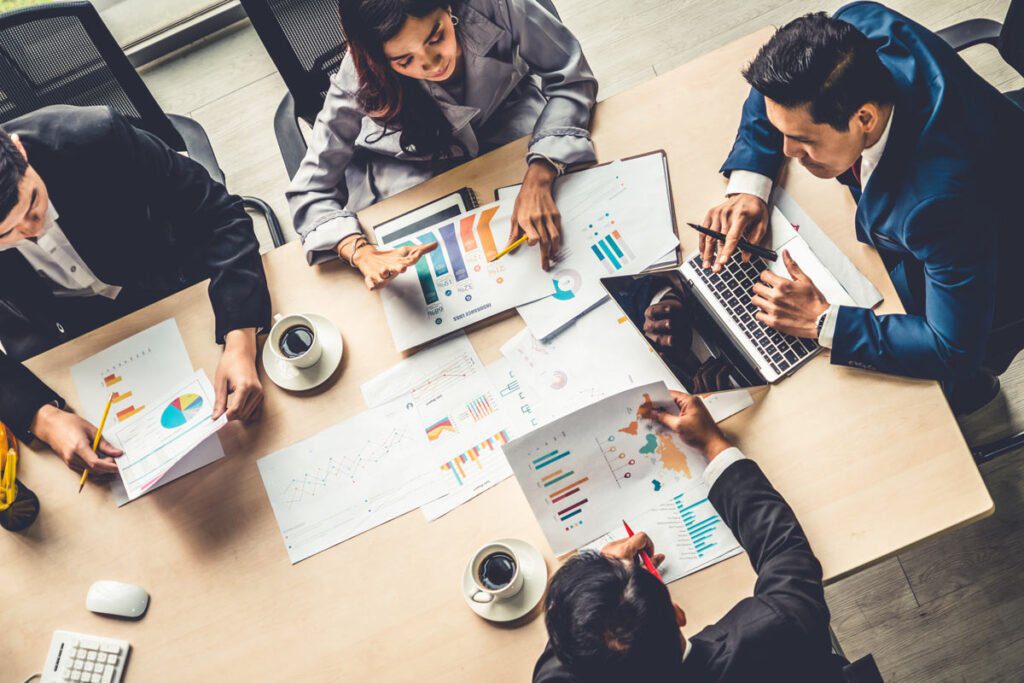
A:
x,y
53,257
748,182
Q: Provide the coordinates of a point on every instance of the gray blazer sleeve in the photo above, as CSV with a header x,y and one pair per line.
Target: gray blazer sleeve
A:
x,y
562,132
318,194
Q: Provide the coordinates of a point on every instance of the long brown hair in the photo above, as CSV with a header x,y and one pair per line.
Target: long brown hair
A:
x,y
395,101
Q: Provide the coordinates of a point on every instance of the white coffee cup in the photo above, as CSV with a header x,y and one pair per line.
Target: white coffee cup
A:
x,y
283,323
485,594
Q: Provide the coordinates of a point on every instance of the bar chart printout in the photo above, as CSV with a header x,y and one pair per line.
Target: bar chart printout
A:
x,y
459,282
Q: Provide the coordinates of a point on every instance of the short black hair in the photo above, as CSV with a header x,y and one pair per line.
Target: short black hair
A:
x,y
612,621
12,169
822,62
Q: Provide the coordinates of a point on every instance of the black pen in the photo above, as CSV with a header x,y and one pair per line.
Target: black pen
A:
x,y
743,245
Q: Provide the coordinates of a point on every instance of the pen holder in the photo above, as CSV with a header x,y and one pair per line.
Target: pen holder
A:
x,y
22,510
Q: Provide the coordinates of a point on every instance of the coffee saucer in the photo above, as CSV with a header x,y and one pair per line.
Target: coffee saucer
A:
x,y
303,379
535,582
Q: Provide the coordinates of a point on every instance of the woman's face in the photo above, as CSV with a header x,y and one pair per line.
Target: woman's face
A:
x,y
425,48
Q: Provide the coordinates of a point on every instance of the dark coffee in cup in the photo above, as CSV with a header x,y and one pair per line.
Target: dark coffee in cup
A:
x,y
295,341
497,571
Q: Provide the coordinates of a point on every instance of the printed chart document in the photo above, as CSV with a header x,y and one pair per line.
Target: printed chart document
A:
x,y
614,221
686,528
459,283
347,479
584,473
458,412
138,371
163,433
564,379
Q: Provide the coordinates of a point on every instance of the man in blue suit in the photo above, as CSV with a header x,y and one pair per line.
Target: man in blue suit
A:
x,y
931,153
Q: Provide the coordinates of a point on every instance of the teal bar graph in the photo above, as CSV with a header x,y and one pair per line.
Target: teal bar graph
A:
x,y
437,256
426,281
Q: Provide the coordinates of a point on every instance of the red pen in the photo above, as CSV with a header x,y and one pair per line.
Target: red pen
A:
x,y
643,555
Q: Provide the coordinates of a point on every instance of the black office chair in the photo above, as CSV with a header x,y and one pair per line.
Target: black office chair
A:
x,y
304,39
63,53
1007,37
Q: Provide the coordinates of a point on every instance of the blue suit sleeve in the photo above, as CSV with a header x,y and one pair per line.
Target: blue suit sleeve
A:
x,y
959,281
758,145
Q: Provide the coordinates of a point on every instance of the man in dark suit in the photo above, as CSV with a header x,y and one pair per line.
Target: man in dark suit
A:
x,y
610,620
931,153
97,219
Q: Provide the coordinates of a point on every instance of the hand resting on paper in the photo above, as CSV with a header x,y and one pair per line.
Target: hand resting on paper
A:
x,y
695,425
239,393
535,213
71,437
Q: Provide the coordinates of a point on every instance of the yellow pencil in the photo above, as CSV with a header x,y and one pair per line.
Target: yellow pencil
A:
x,y
96,440
509,248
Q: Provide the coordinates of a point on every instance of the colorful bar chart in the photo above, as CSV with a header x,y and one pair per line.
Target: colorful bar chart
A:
x,y
110,380
451,244
549,459
423,273
118,397
701,522
480,407
483,230
123,415
458,465
612,251
436,256
466,231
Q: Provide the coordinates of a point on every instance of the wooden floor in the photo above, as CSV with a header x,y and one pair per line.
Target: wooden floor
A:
x,y
951,609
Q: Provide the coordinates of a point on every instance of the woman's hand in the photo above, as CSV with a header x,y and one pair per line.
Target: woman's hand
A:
x,y
380,266
535,213
71,439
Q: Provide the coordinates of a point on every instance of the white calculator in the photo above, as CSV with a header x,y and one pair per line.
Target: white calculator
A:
x,y
81,658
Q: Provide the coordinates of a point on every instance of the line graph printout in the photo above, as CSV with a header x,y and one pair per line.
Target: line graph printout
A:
x,y
459,282
459,413
138,371
686,528
163,434
347,479
585,472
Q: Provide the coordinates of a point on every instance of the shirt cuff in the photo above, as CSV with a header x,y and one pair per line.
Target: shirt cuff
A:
x,y
320,242
828,329
565,146
749,182
717,466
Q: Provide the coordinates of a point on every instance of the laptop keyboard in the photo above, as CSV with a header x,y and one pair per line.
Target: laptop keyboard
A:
x,y
733,287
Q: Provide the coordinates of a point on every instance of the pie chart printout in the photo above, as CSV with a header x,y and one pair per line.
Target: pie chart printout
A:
x,y
181,410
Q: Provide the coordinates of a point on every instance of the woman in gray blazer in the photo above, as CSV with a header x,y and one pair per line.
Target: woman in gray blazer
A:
x,y
425,86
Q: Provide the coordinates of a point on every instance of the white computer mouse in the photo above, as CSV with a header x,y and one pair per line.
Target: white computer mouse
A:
x,y
117,599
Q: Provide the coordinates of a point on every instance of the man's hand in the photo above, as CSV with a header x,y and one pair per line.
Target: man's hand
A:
x,y
628,548
380,266
694,424
536,214
71,438
791,307
667,326
237,385
738,215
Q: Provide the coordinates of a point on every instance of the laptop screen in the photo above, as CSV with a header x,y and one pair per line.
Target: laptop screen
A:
x,y
673,321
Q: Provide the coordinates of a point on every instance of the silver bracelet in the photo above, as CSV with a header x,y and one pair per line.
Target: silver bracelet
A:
x,y
360,243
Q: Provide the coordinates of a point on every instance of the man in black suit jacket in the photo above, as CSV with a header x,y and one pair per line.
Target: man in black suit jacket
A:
x,y
97,219
609,619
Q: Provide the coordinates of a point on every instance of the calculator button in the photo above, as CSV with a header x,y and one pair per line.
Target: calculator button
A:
x,y
91,656
108,674
111,649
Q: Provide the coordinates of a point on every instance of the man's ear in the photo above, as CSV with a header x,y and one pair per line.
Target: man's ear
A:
x,y
17,143
868,117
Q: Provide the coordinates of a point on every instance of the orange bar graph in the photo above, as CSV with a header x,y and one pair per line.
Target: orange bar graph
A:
x,y
466,230
123,415
111,380
483,229
118,397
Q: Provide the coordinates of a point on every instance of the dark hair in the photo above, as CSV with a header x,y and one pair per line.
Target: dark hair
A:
x,y
608,620
397,102
12,169
822,62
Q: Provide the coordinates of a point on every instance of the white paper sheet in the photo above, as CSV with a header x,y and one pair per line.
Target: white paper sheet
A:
x,y
616,220
458,284
163,433
347,479
686,529
460,414
139,370
584,473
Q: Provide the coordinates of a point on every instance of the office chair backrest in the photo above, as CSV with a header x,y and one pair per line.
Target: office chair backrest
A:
x,y
1011,38
63,53
304,39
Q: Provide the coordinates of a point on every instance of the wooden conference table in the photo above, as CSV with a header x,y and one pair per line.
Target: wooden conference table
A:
x,y
872,464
